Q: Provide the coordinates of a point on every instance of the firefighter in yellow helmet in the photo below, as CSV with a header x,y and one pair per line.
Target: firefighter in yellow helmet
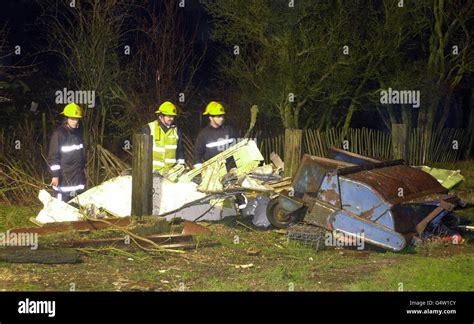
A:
x,y
167,140
215,138
66,156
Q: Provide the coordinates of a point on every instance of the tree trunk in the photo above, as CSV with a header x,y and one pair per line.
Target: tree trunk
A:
x,y
470,129
400,140
292,152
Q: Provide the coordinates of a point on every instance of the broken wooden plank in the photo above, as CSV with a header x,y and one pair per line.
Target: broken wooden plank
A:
x,y
190,245
191,228
123,241
280,184
277,161
71,226
44,256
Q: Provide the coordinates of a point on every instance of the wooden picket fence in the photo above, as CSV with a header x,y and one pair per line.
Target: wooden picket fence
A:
x,y
443,146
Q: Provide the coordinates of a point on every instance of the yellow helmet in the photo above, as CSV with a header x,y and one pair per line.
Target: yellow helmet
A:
x,y
72,110
214,108
167,108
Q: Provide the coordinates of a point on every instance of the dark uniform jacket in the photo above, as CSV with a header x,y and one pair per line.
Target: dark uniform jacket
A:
x,y
212,141
67,159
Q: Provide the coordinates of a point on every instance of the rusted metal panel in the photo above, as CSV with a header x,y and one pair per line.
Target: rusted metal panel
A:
x,y
191,228
329,190
78,226
398,183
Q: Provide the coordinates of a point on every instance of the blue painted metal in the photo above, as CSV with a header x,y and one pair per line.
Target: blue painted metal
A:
x,y
370,232
349,157
340,156
364,197
361,200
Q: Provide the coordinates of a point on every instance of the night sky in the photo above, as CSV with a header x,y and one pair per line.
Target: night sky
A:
x,y
20,17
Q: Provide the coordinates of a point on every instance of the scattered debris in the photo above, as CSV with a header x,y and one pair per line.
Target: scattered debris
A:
x,y
253,252
466,228
123,242
447,178
277,161
151,226
55,210
86,225
260,212
177,196
247,227
244,266
190,228
149,243
310,236
385,203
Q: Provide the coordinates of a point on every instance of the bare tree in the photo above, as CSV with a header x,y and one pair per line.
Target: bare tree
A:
x,y
162,62
285,58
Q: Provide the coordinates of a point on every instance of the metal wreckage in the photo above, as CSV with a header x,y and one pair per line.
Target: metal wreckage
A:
x,y
386,203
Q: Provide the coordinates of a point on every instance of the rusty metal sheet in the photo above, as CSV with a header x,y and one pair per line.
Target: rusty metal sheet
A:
x,y
329,190
70,226
389,180
191,228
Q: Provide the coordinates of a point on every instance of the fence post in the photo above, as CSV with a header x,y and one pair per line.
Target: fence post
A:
x,y
400,141
142,177
292,151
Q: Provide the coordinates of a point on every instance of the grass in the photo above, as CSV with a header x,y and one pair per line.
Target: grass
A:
x,y
16,216
289,267
423,274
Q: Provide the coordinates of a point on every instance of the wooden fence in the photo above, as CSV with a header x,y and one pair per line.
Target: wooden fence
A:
x,y
443,146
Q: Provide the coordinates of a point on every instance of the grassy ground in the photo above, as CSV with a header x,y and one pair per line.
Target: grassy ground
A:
x,y
252,260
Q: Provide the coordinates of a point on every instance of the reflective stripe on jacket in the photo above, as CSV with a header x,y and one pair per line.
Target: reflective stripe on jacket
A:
x,y
67,158
164,147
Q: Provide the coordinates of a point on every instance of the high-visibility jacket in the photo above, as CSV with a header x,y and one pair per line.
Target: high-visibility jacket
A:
x,y
67,160
165,144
